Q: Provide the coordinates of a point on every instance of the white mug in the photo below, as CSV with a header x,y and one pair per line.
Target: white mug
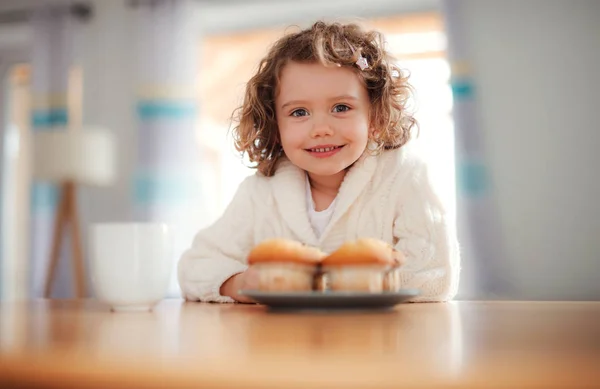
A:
x,y
130,264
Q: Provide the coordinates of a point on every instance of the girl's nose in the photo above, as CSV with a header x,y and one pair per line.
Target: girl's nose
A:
x,y
321,128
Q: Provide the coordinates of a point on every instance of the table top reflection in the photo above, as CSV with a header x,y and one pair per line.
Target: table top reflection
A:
x,y
82,344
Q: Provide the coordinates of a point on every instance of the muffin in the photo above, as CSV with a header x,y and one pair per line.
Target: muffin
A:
x,y
362,266
321,282
284,265
391,280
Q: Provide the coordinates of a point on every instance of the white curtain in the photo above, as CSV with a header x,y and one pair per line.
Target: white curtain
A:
x,y
479,231
166,185
54,31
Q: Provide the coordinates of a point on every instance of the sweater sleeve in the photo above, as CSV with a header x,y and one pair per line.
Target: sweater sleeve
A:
x,y
427,238
219,251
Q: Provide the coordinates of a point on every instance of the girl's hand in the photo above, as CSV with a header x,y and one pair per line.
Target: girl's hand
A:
x,y
247,280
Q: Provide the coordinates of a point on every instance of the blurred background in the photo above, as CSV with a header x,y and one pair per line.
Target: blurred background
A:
x,y
506,95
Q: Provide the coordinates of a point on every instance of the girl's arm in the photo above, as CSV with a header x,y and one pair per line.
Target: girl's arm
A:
x,y
427,238
219,251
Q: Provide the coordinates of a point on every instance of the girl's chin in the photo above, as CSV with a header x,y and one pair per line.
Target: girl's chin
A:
x,y
327,171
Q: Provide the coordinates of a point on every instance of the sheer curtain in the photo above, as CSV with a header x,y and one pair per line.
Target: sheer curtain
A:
x,y
54,31
477,212
167,183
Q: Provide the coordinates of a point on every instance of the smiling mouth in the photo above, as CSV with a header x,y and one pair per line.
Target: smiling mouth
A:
x,y
324,149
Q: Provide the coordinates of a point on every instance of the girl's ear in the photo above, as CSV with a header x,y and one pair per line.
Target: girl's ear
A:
x,y
277,136
373,134
372,129
278,139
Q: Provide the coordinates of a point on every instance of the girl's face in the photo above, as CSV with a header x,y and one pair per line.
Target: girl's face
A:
x,y
323,117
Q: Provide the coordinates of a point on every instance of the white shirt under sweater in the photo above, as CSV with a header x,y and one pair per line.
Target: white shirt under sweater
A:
x,y
318,219
388,197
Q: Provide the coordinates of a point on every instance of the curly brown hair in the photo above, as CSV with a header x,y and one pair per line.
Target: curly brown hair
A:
x,y
329,44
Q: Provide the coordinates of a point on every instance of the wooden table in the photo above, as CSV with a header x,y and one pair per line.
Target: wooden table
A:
x,y
81,344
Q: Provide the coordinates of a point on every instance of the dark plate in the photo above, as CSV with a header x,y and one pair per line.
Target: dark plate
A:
x,y
331,300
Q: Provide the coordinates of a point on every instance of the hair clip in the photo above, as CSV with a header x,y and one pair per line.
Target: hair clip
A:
x,y
361,62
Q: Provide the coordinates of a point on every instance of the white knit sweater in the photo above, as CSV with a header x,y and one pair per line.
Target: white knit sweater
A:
x,y
388,197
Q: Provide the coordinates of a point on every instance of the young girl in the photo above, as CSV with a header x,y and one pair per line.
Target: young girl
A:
x,y
324,120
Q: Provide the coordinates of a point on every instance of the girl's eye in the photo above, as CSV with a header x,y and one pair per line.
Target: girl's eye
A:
x,y
341,108
300,112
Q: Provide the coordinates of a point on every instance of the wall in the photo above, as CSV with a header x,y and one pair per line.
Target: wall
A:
x,y
108,87
536,73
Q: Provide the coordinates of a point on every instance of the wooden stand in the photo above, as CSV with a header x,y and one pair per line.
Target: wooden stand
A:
x,y
67,213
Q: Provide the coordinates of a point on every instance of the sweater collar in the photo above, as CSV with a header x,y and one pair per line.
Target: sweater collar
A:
x,y
289,189
354,183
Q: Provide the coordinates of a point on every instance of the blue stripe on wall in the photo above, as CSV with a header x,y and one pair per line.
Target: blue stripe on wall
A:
x,y
462,89
164,189
472,178
44,196
149,110
47,118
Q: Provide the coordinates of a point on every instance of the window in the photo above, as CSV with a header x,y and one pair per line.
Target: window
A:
x,y
15,185
419,43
